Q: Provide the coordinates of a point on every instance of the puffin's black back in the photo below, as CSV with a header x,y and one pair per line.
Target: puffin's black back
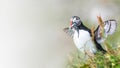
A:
x,y
84,28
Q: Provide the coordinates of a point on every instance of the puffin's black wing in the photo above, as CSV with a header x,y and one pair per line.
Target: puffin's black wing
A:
x,y
109,28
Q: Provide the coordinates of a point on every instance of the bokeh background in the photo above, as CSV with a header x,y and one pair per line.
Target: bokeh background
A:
x,y
31,31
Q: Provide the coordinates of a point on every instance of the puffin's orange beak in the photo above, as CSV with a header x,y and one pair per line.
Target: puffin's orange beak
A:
x,y
70,23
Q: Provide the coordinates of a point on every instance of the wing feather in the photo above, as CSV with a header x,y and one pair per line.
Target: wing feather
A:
x,y
109,28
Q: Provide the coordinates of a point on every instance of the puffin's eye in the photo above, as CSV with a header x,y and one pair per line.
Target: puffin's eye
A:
x,y
77,18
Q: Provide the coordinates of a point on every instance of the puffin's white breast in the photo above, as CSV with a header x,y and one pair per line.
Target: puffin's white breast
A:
x,y
83,41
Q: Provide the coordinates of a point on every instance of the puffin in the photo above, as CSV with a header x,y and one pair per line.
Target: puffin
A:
x,y
87,40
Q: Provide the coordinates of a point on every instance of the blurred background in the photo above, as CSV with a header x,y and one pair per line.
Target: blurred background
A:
x,y
31,31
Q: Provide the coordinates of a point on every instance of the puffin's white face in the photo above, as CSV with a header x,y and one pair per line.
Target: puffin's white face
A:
x,y
75,21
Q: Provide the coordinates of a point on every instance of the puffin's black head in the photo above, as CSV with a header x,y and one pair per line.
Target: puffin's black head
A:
x,y
75,22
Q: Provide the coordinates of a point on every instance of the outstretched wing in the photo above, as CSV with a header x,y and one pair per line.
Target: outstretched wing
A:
x,y
109,28
69,31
